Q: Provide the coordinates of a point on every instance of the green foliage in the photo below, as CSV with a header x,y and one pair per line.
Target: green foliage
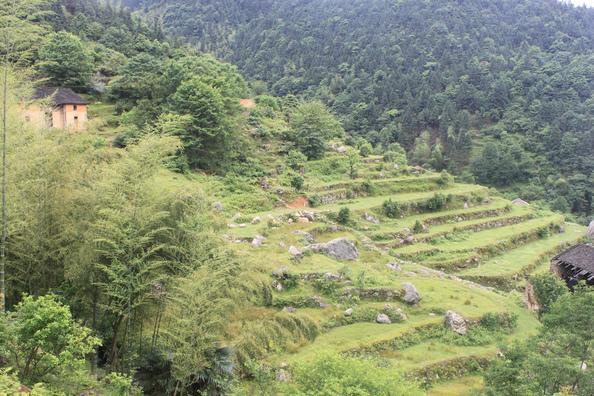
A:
x,y
66,61
552,361
334,375
312,125
547,289
365,149
344,215
391,209
437,202
353,161
41,340
296,160
297,182
418,227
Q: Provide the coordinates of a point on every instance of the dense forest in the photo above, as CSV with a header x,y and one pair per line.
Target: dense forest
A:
x,y
507,83
179,244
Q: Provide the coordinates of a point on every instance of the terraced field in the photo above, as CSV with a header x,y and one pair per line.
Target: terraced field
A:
x,y
467,256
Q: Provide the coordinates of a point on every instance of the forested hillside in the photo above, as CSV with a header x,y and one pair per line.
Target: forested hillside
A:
x,y
292,226
513,79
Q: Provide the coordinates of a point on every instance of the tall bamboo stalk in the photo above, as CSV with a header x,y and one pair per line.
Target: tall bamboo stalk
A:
x,y
4,214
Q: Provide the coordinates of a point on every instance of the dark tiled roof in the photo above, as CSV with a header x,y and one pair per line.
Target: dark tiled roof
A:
x,y
580,256
59,96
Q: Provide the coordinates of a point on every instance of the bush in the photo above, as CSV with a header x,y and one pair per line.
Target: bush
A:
x,y
296,160
365,150
336,375
391,209
418,227
344,215
445,179
297,182
437,202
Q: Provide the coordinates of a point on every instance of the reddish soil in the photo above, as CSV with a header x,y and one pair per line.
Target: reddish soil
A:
x,y
247,103
300,202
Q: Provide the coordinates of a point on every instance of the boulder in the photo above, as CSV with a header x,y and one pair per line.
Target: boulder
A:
x,y
290,309
466,206
258,240
519,202
279,287
256,220
302,220
455,322
329,276
348,312
411,294
370,218
383,319
591,230
394,266
294,251
409,240
311,216
340,249
218,206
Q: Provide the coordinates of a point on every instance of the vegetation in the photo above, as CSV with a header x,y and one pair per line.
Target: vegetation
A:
x,y
310,228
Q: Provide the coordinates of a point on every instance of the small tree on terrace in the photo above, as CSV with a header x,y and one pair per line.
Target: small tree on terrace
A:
x,y
311,126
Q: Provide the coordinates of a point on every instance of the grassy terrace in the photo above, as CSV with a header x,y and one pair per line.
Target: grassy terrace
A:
x,y
444,242
481,239
514,261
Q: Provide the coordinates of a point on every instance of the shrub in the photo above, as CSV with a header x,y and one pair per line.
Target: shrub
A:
x,y
297,182
418,227
336,375
365,150
437,202
445,179
391,209
344,215
296,159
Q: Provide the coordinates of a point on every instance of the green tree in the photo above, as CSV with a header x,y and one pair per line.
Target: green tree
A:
x,y
547,288
66,61
212,136
353,161
41,339
296,160
311,126
557,360
422,151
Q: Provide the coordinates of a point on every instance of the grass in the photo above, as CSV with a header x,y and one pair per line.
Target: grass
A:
x,y
516,259
466,386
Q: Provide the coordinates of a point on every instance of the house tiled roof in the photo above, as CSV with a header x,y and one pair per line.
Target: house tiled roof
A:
x,y
59,96
580,256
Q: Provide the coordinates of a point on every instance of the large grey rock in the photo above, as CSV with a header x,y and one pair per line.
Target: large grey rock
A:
x,y
591,230
340,249
294,251
411,294
394,266
256,220
455,322
348,312
371,218
258,241
218,206
383,319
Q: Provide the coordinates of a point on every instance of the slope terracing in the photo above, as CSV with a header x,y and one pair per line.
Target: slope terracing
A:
x,y
383,283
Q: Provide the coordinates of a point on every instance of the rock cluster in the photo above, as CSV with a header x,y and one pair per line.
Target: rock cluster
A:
x,y
411,294
455,322
340,249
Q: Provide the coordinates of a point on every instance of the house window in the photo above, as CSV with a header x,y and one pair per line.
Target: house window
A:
x,y
75,107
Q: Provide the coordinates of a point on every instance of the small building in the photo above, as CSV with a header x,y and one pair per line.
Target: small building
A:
x,y
575,264
60,108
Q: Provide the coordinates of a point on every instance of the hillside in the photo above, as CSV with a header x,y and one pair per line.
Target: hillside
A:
x,y
323,233
512,77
